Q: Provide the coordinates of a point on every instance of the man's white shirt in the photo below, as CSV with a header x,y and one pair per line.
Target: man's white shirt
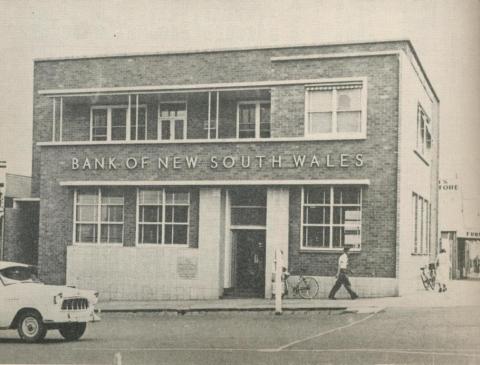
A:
x,y
343,261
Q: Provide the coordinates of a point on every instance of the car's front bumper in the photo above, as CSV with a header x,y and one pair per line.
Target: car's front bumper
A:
x,y
66,316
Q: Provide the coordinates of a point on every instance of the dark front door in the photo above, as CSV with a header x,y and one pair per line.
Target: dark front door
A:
x,y
249,265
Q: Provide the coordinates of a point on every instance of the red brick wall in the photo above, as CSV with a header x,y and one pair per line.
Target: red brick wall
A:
x,y
51,165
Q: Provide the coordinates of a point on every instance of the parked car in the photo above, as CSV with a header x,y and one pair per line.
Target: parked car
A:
x,y
33,308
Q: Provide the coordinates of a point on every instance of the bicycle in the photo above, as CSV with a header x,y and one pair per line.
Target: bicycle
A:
x,y
428,277
306,286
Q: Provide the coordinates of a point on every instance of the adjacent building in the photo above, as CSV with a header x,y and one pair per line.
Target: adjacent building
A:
x,y
177,175
460,229
19,214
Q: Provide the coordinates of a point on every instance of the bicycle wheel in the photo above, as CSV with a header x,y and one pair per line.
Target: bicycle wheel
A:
x,y
431,282
425,281
307,287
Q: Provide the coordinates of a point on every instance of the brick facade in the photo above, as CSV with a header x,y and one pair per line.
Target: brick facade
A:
x,y
52,164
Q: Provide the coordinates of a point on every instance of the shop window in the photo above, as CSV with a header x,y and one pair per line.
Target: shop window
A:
x,y
253,119
331,217
98,216
163,216
109,123
421,213
335,111
424,134
172,119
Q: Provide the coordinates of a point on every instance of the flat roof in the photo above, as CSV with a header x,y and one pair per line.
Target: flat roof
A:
x,y
253,48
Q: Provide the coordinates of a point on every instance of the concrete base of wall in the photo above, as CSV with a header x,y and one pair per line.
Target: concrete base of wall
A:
x,y
130,273
364,287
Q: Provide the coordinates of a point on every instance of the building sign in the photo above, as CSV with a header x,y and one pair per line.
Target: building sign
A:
x,y
448,185
342,160
352,228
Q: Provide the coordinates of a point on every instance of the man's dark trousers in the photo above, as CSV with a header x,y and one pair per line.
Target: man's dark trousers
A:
x,y
342,280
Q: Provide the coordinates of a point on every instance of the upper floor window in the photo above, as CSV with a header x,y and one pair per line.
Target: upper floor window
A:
x,y
98,216
331,217
172,120
109,123
336,111
424,134
253,119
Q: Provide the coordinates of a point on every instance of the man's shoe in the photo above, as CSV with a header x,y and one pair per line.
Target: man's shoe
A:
x,y
355,297
331,298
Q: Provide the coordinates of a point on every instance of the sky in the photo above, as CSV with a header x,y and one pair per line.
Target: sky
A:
x,y
445,34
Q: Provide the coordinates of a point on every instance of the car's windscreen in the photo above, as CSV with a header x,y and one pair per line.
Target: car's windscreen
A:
x,y
18,274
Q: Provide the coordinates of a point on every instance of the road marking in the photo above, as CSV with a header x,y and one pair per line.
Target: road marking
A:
x,y
473,352
281,348
399,351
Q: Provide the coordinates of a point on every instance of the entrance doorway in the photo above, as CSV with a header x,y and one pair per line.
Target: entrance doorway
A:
x,y
248,269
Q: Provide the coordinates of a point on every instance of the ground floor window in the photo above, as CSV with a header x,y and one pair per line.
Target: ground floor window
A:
x,y
98,216
421,212
163,216
331,217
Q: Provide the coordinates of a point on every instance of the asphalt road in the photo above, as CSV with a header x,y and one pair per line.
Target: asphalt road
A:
x,y
407,335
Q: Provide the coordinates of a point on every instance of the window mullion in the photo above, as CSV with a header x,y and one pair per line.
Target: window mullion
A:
x,y
99,212
331,218
257,120
163,215
334,111
109,124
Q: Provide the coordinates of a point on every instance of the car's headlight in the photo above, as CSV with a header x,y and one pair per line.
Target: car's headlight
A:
x,y
57,298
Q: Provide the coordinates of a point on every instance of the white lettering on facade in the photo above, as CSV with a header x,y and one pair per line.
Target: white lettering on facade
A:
x,y
176,162
315,161
99,163
111,163
86,165
328,161
228,162
75,164
299,161
131,163
359,160
245,164
145,161
163,163
343,160
260,160
191,161
278,161
213,162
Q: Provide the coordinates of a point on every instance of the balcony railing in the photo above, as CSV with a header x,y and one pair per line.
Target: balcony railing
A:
x,y
173,116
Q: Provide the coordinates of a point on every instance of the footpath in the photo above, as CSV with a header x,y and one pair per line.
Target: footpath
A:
x,y
459,293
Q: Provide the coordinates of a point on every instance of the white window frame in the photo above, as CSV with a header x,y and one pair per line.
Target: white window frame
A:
x,y
331,225
109,109
421,225
98,221
334,135
424,141
163,223
257,117
172,121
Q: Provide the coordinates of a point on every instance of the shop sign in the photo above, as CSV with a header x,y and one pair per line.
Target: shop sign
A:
x,y
469,234
448,185
342,160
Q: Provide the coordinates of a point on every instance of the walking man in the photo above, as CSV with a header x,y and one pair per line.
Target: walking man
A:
x,y
342,278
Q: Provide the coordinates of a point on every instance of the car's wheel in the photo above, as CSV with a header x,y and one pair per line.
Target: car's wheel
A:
x,y
31,327
72,331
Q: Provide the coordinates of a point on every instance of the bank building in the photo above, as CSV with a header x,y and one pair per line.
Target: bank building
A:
x,y
177,175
